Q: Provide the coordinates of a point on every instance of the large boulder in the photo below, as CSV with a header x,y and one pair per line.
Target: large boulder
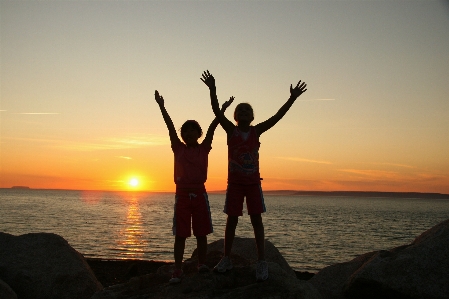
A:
x,y
45,266
6,292
331,280
418,270
246,248
240,282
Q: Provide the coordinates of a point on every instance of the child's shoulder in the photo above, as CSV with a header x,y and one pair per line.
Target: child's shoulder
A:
x,y
178,145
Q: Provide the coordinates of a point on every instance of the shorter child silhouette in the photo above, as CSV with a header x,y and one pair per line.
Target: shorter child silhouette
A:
x,y
191,200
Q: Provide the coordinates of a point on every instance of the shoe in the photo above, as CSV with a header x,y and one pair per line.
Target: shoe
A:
x,y
262,270
202,268
176,276
224,265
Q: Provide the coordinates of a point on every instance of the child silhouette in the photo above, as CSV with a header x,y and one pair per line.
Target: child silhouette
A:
x,y
191,200
243,170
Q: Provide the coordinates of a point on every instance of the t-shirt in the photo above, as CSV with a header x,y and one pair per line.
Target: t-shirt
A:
x,y
190,165
243,158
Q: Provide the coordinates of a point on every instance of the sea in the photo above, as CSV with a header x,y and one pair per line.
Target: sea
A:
x,y
311,232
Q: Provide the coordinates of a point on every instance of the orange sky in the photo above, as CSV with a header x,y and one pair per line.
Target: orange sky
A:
x,y
77,109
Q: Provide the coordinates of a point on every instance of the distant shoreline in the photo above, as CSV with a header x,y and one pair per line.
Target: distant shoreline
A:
x,y
20,187
417,195
374,194
378,194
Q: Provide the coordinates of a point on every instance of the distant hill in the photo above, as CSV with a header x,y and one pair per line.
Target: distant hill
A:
x,y
379,194
20,187
373,194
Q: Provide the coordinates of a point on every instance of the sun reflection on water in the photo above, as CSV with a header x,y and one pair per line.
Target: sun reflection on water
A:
x,y
131,241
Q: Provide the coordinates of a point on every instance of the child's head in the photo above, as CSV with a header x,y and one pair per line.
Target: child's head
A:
x,y
244,112
191,132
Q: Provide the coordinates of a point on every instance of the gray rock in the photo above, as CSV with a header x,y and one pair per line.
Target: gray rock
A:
x,y
238,283
6,292
246,248
331,280
45,266
418,270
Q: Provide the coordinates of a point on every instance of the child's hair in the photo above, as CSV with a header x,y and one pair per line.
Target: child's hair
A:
x,y
242,104
191,124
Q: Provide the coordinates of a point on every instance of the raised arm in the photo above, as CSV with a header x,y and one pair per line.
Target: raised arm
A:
x,y
209,80
213,125
170,126
294,94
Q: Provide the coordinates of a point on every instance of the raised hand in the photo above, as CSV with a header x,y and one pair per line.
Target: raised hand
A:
x,y
159,98
298,90
208,79
227,104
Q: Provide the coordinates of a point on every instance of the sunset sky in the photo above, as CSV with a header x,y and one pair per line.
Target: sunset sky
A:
x,y
77,108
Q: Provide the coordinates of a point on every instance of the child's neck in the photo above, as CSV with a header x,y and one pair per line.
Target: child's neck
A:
x,y
192,144
243,126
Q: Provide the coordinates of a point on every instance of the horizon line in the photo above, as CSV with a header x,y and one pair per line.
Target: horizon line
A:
x,y
224,191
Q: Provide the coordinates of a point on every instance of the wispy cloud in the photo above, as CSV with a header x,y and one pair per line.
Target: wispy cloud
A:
x,y
368,179
311,100
363,180
137,141
393,164
96,145
36,113
304,160
423,177
372,173
123,157
44,140
117,143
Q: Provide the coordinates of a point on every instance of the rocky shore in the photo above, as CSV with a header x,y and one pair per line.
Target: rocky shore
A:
x,y
114,271
44,265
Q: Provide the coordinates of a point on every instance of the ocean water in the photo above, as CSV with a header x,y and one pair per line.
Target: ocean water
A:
x,y
311,232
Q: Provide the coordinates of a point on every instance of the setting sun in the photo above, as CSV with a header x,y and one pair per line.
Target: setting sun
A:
x,y
134,182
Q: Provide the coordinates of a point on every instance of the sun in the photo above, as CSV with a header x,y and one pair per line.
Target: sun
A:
x,y
133,182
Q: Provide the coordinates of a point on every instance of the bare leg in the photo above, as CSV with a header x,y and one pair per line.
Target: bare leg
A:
x,y
180,244
201,245
231,225
259,234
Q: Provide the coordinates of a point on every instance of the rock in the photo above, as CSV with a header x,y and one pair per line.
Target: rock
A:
x,y
244,252
237,283
331,280
418,270
42,265
112,271
304,275
6,292
240,282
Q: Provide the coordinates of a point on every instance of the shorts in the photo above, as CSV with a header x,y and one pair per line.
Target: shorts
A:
x,y
235,195
192,207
